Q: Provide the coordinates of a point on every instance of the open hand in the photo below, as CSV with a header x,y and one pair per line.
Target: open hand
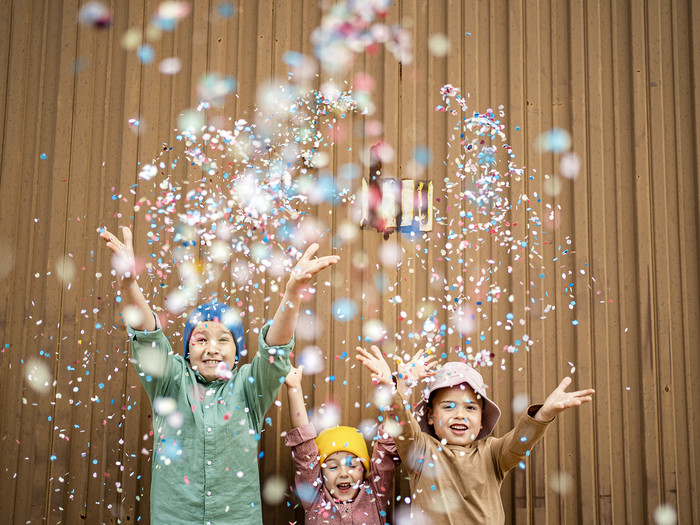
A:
x,y
559,400
307,267
123,260
418,368
375,363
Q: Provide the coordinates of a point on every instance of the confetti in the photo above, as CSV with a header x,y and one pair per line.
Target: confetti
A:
x,y
665,514
313,359
38,375
95,15
274,490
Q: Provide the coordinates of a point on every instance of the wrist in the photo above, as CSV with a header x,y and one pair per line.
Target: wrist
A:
x,y
290,297
544,416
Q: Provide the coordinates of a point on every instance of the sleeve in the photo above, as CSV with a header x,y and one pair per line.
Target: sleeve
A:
x,y
307,468
509,450
265,375
153,358
385,458
411,434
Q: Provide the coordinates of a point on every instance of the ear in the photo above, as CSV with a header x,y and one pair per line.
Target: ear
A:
x,y
430,416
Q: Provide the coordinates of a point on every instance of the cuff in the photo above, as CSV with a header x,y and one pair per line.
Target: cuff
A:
x,y
267,350
145,336
532,411
299,435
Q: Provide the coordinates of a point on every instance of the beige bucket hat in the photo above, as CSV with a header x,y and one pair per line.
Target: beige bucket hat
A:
x,y
456,373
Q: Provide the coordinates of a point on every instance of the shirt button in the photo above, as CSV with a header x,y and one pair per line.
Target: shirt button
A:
x,y
209,462
209,493
209,429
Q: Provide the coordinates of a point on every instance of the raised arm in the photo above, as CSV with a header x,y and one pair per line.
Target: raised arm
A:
x,y
124,268
295,395
285,319
559,400
513,447
400,410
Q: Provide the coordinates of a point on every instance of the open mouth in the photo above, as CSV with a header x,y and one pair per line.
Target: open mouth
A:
x,y
344,487
459,428
211,362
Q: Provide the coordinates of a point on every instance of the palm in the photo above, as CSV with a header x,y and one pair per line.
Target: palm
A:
x,y
419,367
123,260
559,400
307,268
375,363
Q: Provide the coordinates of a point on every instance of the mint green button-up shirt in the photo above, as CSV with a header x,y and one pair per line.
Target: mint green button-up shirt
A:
x,y
206,434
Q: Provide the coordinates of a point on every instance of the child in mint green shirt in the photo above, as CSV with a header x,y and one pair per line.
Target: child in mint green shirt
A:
x,y
208,410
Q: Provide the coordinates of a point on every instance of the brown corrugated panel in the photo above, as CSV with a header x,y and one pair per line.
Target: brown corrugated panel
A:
x,y
605,287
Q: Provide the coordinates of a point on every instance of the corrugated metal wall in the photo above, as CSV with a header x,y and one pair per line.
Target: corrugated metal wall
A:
x,y
618,254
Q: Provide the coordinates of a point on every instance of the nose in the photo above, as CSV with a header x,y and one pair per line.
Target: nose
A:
x,y
213,347
461,413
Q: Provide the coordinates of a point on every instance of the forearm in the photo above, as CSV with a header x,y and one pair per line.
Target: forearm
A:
x,y
297,408
132,297
513,447
285,320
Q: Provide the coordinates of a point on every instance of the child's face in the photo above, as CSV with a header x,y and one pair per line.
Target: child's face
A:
x,y
456,415
343,473
211,344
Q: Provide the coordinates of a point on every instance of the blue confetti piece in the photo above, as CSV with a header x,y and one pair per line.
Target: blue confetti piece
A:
x,y
145,54
226,9
344,309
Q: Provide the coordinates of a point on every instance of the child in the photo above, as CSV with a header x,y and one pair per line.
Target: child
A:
x,y
456,470
334,476
207,410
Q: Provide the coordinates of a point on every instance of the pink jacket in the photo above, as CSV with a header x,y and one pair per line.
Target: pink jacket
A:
x,y
370,505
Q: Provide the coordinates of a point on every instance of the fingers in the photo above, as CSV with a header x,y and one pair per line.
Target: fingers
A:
x,y
316,265
587,392
362,352
564,384
364,357
377,352
309,253
113,242
128,237
371,362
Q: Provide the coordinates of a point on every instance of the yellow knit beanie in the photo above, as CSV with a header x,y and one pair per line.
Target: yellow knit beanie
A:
x,y
347,439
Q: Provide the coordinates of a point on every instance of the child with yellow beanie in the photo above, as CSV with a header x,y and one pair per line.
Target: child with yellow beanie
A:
x,y
335,477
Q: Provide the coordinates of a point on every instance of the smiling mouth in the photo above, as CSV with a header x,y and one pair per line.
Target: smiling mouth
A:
x,y
211,362
459,428
344,487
